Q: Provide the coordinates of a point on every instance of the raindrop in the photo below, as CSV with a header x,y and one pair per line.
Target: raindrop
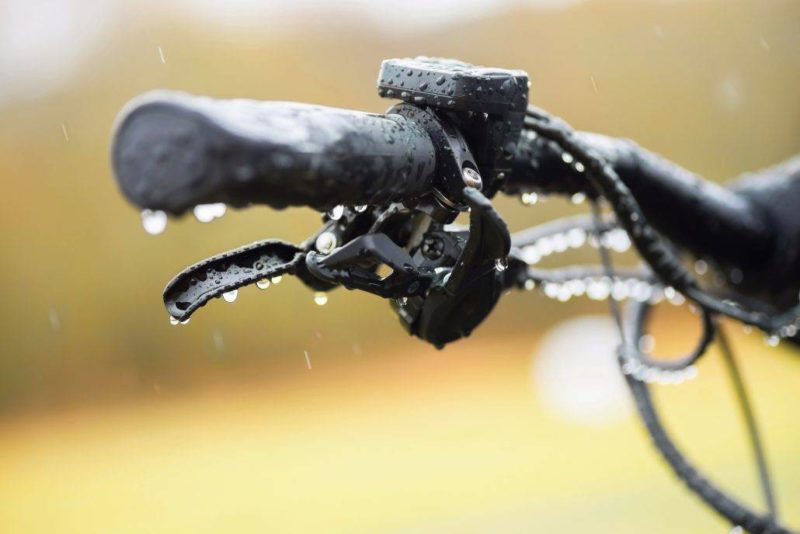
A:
x,y
320,298
530,285
230,296
577,287
619,290
154,221
576,237
567,158
647,343
544,246
55,320
530,255
208,212
219,342
700,267
500,264
551,290
336,213
529,199
559,242
564,293
276,279
773,340
263,283
579,166
789,331
360,209
578,198
618,241
173,321
598,289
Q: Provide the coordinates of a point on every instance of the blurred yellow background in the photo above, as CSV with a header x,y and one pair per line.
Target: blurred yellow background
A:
x,y
112,420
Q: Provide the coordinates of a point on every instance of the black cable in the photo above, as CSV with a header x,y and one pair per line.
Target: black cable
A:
x,y
652,247
718,500
750,422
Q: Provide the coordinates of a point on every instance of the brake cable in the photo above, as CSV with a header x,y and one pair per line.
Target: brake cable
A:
x,y
653,249
667,266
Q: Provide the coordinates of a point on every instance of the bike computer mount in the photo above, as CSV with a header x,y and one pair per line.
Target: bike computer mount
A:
x,y
485,105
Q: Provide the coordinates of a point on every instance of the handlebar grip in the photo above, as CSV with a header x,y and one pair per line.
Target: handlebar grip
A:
x,y
172,151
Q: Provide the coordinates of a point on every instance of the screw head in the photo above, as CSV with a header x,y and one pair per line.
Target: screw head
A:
x,y
325,243
432,248
472,178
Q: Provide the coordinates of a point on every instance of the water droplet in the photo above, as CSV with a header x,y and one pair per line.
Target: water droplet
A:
x,y
544,246
567,158
579,166
530,255
208,212
598,289
647,343
773,340
320,298
263,283
230,296
576,237
173,321
336,213
154,221
500,265
559,242
276,279
360,209
551,289
530,285
578,198
529,199
700,267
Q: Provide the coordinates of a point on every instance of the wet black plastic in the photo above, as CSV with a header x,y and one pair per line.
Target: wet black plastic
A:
x,y
172,151
196,285
454,85
700,216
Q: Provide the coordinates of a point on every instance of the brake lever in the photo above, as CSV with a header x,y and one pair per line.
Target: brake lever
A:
x,y
196,285
353,266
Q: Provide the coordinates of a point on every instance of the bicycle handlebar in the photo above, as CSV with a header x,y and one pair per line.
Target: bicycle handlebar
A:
x,y
700,216
172,151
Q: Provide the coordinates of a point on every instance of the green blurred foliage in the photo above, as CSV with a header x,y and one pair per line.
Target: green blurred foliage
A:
x,y
712,85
